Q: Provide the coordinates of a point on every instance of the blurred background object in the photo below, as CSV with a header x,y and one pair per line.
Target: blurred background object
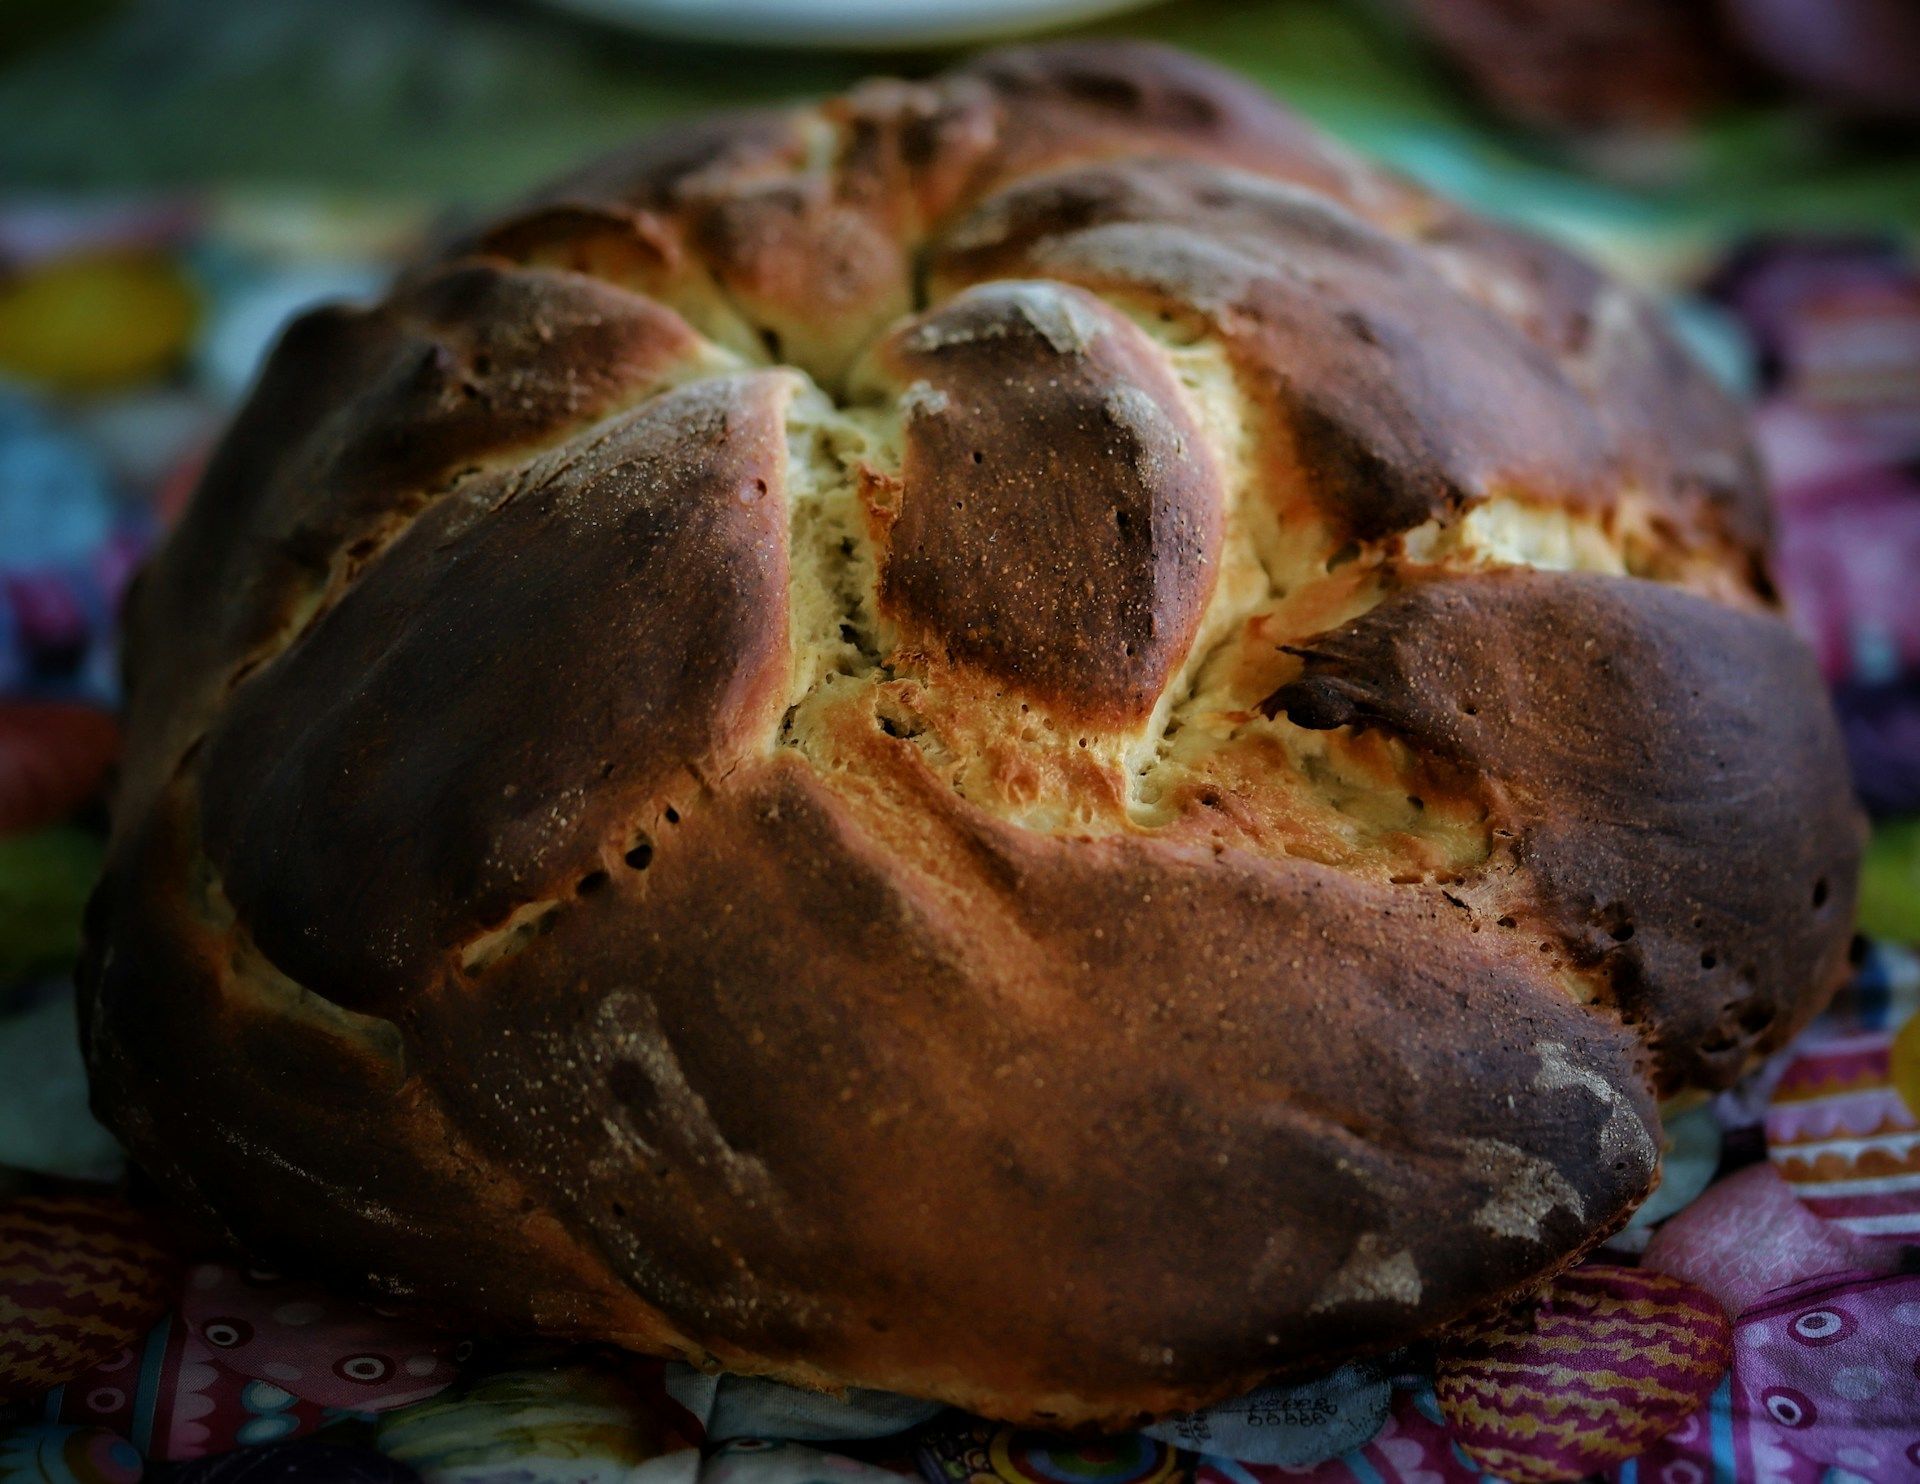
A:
x,y
1857,56
1585,64
848,23
467,100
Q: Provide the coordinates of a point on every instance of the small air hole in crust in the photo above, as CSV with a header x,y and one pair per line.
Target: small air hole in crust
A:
x,y
1709,960
898,723
1820,892
979,457
640,854
590,883
672,815
629,1082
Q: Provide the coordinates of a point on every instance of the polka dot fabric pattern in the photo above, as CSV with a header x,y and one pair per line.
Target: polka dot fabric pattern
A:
x,y
311,1344
1824,1385
1025,739
245,1358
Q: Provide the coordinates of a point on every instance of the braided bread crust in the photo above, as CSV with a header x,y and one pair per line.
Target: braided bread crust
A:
x,y
1028,739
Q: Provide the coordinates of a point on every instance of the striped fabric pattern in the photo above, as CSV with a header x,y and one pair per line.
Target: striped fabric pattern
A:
x,y
80,1280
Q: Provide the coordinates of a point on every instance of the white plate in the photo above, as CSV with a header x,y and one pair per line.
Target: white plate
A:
x,y
827,23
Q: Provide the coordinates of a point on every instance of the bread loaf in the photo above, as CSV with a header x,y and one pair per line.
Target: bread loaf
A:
x,y
1028,739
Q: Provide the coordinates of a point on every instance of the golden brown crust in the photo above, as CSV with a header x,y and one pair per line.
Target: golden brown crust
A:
x,y
907,744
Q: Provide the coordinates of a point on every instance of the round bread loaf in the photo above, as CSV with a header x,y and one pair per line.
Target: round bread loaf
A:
x,y
1027,739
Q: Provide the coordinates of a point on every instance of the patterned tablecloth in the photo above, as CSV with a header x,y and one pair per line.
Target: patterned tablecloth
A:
x,y
1759,1320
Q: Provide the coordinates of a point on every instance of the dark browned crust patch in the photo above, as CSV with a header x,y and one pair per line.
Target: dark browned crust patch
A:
x,y
360,418
1617,726
1059,520
1399,399
818,1065
304,1132
532,663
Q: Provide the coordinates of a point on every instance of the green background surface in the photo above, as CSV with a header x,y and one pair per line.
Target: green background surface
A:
x,y
466,101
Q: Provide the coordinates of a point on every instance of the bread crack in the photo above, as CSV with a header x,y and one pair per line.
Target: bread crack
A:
x,y
359,550
833,622
245,970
